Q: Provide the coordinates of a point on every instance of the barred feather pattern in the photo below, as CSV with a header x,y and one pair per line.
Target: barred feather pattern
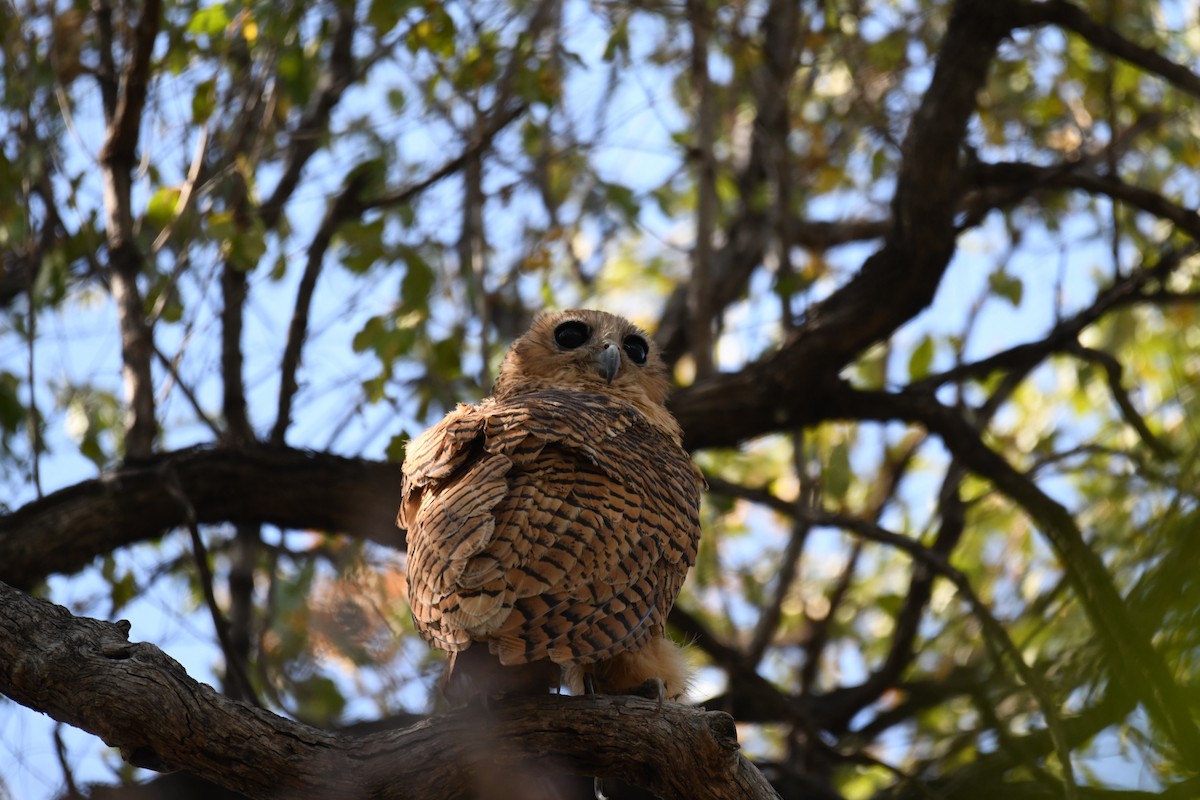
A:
x,y
552,525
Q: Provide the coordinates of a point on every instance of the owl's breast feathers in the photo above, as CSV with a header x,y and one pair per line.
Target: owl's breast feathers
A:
x,y
552,525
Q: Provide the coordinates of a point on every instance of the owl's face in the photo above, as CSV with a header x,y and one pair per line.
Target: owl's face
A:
x,y
585,350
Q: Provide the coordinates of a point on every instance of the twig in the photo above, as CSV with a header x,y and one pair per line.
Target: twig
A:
x,y
1112,371
242,688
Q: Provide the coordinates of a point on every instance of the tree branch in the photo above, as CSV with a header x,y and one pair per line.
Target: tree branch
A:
x,y
65,530
117,158
303,142
898,280
87,673
1139,665
746,235
698,287
351,202
1071,17
1030,176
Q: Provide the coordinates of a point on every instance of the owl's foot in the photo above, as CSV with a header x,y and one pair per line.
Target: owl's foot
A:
x,y
652,689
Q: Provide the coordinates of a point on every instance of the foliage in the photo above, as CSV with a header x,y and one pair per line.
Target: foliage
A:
x,y
941,375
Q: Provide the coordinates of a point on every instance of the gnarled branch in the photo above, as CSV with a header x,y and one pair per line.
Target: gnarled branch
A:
x,y
87,673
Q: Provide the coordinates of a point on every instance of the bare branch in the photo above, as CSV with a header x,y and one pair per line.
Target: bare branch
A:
x,y
748,233
347,205
1126,291
699,292
172,369
86,673
1032,177
118,157
241,687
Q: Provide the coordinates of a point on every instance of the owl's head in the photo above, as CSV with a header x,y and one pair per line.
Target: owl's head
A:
x,y
585,350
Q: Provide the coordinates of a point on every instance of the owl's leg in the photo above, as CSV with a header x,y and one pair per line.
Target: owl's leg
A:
x,y
659,667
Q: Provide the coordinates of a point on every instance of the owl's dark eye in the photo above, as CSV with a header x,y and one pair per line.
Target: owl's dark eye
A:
x,y
571,334
636,348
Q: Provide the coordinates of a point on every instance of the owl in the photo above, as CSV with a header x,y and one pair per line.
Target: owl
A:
x,y
551,527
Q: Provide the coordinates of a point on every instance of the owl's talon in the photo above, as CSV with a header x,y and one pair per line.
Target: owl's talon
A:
x,y
652,689
589,685
598,789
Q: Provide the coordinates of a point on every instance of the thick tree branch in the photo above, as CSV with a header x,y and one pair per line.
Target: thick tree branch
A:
x,y
64,531
86,673
729,408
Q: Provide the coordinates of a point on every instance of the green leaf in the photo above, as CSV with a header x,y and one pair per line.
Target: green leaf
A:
x,y
247,246
365,338
321,702
12,411
397,446
836,475
622,198
160,211
417,283
211,21
435,33
204,100
384,15
1004,285
122,590
921,359
618,42
363,243
397,100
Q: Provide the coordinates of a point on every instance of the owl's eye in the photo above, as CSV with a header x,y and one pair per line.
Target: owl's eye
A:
x,y
571,334
636,348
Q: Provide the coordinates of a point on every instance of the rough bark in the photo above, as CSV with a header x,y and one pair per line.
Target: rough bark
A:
x,y
87,673
65,530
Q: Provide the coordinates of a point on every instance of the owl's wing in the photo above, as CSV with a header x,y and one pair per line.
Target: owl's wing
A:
x,y
556,526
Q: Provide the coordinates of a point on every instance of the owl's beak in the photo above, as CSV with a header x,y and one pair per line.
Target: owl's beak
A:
x,y
608,362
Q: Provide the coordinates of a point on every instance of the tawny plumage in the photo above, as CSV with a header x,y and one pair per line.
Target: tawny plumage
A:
x,y
553,524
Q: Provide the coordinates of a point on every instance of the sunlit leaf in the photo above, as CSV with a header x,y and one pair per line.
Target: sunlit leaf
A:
x,y
210,21
921,359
